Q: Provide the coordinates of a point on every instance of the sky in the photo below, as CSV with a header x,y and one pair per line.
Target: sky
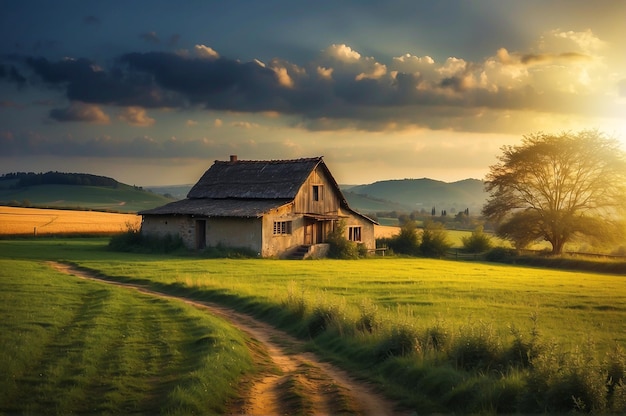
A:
x,y
153,92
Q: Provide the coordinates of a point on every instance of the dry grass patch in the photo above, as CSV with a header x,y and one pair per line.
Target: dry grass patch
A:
x,y
30,221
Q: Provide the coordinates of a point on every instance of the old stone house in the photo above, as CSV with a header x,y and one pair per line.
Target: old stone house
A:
x,y
276,208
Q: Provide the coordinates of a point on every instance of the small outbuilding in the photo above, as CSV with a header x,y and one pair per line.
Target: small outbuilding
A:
x,y
277,208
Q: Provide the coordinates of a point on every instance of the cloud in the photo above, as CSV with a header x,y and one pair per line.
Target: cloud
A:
x,y
622,88
150,37
139,147
206,52
83,80
341,88
81,113
11,74
136,116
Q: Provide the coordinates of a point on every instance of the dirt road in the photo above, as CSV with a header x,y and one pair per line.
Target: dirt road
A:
x,y
301,383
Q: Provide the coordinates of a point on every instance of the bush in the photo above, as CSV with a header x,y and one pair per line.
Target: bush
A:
x,y
407,241
477,242
340,247
500,255
136,242
434,240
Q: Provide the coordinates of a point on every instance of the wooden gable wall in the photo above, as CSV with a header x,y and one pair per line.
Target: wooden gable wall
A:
x,y
324,200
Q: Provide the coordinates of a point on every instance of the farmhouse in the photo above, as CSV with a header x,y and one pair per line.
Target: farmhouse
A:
x,y
278,208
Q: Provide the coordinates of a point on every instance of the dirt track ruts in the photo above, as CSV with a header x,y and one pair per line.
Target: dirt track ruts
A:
x,y
301,382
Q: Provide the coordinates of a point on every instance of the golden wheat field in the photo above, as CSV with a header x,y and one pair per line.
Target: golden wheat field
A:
x,y
34,221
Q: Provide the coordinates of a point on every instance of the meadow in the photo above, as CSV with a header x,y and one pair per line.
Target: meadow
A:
x,y
438,335
75,346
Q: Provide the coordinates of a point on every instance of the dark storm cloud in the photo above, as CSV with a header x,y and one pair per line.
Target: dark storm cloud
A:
x,y
340,85
11,74
150,37
84,81
216,83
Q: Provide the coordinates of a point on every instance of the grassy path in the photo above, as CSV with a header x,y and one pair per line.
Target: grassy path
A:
x,y
300,383
71,346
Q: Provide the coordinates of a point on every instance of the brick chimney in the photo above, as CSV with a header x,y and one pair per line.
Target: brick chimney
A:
x,y
233,158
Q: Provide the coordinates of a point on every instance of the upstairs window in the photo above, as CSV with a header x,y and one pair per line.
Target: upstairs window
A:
x,y
282,227
354,234
318,192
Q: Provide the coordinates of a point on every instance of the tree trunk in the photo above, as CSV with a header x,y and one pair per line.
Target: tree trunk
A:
x,y
557,246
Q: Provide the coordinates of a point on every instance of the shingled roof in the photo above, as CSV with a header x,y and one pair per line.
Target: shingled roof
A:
x,y
245,188
252,179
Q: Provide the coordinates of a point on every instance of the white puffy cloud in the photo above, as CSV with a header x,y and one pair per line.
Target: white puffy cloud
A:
x,y
203,51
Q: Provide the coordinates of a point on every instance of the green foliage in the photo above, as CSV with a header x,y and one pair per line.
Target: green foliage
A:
x,y
435,241
340,247
477,242
134,241
407,241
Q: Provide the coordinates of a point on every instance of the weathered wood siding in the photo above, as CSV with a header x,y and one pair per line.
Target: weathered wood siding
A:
x,y
328,201
367,228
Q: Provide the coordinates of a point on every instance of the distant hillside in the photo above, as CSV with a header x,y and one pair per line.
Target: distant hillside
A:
x,y
417,194
395,195
174,191
75,190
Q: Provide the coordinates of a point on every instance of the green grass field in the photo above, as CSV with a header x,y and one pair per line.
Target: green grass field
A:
x,y
440,335
124,198
72,346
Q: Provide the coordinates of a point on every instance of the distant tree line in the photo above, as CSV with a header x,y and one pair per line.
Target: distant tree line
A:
x,y
59,178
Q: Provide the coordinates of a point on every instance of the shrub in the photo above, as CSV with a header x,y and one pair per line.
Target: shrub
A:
x,y
340,247
500,255
407,241
477,242
435,241
134,241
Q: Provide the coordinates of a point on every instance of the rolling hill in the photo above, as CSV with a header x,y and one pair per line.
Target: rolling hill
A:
x,y
76,191
85,191
417,194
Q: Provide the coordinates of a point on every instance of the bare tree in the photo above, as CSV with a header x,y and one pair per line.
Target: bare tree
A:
x,y
557,188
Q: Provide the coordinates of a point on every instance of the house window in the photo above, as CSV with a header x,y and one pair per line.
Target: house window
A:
x,y
318,192
282,227
354,233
